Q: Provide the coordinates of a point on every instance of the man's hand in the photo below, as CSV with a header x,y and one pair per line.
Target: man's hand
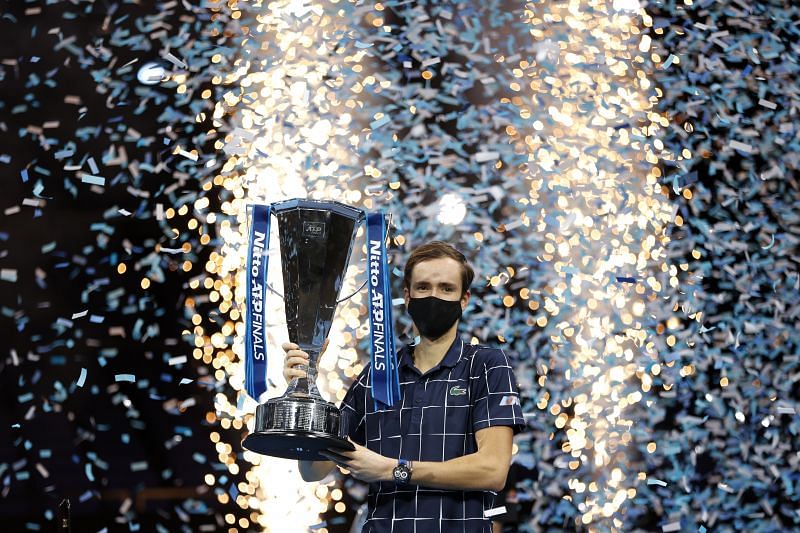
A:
x,y
295,362
363,463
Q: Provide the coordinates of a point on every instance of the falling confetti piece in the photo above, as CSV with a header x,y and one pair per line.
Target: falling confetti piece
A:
x,y
93,180
81,378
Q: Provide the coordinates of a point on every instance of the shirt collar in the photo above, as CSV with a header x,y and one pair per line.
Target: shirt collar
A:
x,y
449,360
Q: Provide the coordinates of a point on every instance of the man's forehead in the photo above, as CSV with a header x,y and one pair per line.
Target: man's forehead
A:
x,y
441,269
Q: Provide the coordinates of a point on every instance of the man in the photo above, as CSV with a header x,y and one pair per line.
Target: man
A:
x,y
435,459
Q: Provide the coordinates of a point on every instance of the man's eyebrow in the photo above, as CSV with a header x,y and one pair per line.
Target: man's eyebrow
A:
x,y
440,283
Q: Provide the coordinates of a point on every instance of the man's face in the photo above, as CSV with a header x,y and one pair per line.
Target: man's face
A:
x,y
440,277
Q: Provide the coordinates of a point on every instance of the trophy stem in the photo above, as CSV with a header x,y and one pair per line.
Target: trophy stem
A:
x,y
306,387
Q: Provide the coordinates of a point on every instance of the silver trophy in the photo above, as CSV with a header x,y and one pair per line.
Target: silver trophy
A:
x,y
316,239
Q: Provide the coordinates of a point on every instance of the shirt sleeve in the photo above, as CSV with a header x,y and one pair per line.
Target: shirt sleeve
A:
x,y
354,407
495,397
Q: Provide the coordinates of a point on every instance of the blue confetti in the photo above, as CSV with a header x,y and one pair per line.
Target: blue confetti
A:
x,y
81,378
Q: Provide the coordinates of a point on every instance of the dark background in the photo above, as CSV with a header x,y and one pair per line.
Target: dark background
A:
x,y
147,448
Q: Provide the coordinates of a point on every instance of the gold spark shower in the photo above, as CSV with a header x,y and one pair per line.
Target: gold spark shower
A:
x,y
593,154
291,133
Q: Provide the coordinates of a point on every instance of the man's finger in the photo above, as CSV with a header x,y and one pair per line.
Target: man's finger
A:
x,y
337,454
336,459
344,452
354,443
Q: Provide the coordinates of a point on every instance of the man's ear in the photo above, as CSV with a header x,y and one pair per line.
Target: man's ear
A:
x,y
465,300
406,295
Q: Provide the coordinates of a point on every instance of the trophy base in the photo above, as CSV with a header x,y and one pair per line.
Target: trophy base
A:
x,y
300,446
297,427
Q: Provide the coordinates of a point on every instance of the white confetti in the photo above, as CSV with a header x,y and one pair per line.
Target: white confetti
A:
x,y
177,360
737,145
482,157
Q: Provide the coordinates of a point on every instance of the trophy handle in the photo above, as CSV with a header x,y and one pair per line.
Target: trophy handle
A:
x,y
273,291
388,225
353,293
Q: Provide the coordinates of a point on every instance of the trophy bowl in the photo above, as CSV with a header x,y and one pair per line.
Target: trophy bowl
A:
x,y
298,428
316,239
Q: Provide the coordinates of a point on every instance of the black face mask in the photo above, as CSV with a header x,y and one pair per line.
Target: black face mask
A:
x,y
434,316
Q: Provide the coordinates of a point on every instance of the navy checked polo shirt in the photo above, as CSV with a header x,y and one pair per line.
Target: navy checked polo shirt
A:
x,y
472,388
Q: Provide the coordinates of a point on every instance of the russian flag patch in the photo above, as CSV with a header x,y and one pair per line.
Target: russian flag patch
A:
x,y
509,400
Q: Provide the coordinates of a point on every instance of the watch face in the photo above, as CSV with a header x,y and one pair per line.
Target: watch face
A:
x,y
401,474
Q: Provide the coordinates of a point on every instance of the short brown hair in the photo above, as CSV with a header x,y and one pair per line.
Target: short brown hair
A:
x,y
436,250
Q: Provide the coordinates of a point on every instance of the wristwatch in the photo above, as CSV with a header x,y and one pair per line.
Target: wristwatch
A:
x,y
402,472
